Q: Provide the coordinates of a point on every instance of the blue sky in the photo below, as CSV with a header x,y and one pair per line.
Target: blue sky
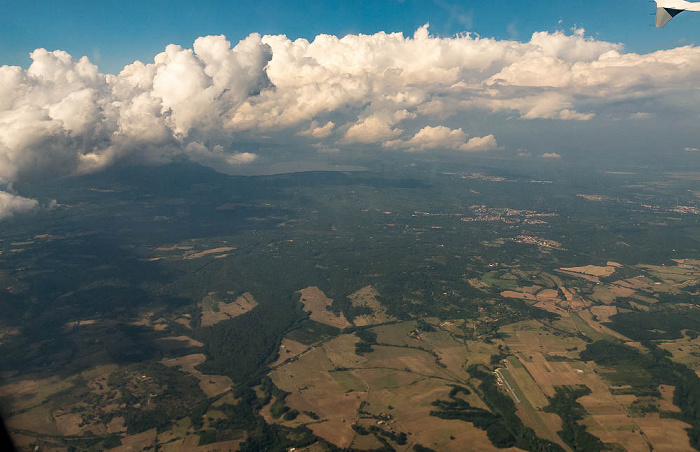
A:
x,y
115,33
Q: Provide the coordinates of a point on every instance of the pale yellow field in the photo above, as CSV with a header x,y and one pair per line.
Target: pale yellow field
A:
x,y
621,290
593,270
532,401
68,424
27,393
116,425
518,295
685,351
243,304
173,438
597,326
366,442
210,318
550,295
398,334
211,385
316,302
204,253
666,402
532,289
177,342
341,351
453,355
529,339
214,310
585,276
603,313
184,321
410,412
480,352
175,248
38,420
604,294
367,297
608,416
397,381
141,441
666,435
316,447
552,307
288,350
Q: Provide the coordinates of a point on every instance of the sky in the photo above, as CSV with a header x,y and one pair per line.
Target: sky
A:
x,y
243,87
115,33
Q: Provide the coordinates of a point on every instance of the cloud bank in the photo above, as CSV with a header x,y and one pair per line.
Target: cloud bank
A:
x,y
11,204
551,155
381,92
441,137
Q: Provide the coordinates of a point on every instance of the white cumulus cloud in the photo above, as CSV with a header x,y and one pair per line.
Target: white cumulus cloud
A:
x,y
376,127
62,116
441,137
317,131
11,205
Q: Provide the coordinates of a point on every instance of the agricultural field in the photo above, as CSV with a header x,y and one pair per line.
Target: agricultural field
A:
x,y
316,304
211,385
113,405
391,388
493,308
546,356
216,308
338,383
367,298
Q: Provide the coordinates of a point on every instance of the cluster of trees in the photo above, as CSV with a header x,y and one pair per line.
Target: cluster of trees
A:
x,y
280,409
643,406
421,448
172,394
655,324
662,371
367,339
422,325
309,332
83,442
564,405
241,347
503,427
242,417
344,305
399,438
218,435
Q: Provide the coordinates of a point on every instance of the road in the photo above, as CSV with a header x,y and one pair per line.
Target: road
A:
x,y
508,386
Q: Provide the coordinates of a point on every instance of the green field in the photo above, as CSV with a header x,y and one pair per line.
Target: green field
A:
x,y
494,279
310,332
348,381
